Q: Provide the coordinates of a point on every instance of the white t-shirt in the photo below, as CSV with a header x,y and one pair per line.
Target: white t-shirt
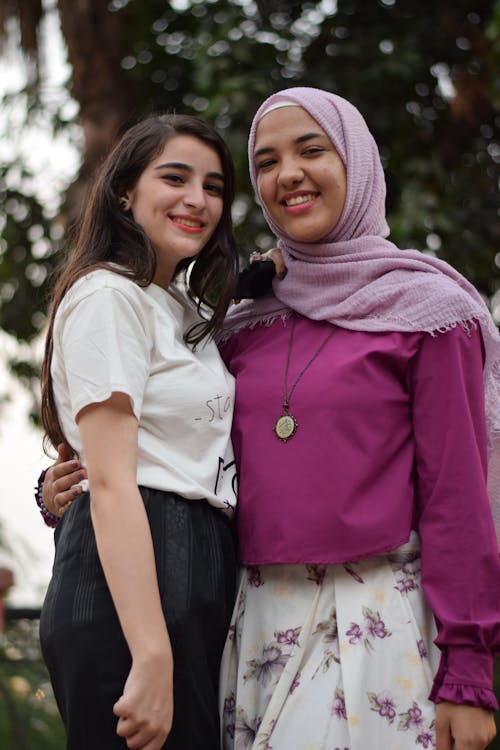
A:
x,y
110,335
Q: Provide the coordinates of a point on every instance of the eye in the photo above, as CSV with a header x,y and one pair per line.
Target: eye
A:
x,y
174,179
267,164
215,189
313,150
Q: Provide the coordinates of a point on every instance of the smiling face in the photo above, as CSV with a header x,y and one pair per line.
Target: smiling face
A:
x,y
178,201
301,179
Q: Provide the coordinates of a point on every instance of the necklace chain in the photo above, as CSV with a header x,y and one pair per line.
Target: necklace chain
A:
x,y
286,425
288,396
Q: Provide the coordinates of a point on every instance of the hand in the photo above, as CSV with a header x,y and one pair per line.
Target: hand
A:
x,y
275,255
145,710
58,489
469,727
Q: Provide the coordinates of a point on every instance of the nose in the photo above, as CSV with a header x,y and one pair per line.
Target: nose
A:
x,y
291,172
195,196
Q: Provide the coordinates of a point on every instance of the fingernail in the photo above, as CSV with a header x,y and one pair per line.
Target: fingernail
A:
x,y
282,274
75,465
77,491
81,476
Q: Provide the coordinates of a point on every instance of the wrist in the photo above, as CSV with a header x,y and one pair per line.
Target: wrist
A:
x,y
151,647
49,518
160,657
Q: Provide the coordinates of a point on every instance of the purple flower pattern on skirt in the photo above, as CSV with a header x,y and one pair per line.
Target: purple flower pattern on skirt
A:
x,y
421,649
384,704
373,628
426,739
411,720
353,573
254,576
330,638
245,730
338,705
269,667
229,711
308,657
406,567
316,573
275,655
289,637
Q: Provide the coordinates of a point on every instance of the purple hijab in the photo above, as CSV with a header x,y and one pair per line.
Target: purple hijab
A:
x,y
356,278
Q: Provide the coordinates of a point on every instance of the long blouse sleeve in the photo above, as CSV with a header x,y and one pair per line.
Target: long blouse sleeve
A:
x,y
460,561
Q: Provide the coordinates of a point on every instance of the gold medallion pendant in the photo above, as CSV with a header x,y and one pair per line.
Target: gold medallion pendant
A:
x,y
285,427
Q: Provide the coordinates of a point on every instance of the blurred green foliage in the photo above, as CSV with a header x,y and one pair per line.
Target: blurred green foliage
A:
x,y
426,75
29,719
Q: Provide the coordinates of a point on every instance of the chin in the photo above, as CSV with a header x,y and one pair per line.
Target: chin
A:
x,y
306,237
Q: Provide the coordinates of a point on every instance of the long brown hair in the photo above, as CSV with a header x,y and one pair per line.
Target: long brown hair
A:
x,y
108,235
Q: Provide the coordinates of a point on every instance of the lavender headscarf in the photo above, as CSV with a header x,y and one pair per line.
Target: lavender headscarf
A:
x,y
356,278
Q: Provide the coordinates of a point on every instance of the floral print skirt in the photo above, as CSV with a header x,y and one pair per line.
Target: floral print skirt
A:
x,y
330,657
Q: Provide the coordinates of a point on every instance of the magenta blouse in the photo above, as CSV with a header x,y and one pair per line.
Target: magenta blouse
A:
x,y
391,437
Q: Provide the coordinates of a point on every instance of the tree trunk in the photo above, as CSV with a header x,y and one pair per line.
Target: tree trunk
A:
x,y
96,46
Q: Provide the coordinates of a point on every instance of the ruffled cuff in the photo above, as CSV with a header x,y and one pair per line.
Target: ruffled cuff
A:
x,y
465,676
467,695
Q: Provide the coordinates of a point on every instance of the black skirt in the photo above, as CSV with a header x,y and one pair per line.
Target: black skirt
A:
x,y
82,642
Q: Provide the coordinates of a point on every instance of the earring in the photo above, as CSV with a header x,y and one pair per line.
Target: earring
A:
x,y
124,204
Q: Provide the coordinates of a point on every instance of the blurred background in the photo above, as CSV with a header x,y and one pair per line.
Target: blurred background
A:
x,y
74,74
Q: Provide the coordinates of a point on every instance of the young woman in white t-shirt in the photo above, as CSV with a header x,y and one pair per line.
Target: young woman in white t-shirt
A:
x,y
137,610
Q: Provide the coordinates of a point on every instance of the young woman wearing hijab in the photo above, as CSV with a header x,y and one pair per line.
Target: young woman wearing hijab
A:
x,y
371,586
360,433
137,610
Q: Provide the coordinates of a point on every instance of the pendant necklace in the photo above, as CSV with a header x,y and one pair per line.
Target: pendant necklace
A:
x,y
286,425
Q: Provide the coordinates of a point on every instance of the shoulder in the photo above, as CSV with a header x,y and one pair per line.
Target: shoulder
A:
x,y
104,294
452,349
101,280
103,287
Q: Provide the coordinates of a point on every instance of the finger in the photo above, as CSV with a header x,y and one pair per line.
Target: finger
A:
x,y
136,736
155,744
443,737
126,728
254,256
58,494
141,739
67,480
63,500
119,709
63,452
65,468
278,261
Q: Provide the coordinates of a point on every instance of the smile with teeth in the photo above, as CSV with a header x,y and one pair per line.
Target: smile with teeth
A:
x,y
193,223
297,200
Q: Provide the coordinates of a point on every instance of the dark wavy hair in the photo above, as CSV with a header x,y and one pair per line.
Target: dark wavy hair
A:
x,y
108,235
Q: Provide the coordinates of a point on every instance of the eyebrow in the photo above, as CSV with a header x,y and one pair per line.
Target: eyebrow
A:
x,y
300,139
188,168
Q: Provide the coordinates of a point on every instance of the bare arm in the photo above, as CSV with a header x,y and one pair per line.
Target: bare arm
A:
x,y
109,436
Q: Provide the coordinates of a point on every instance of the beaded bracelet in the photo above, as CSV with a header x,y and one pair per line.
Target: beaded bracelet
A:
x,y
49,518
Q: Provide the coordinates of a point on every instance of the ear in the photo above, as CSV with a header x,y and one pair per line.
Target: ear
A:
x,y
124,203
